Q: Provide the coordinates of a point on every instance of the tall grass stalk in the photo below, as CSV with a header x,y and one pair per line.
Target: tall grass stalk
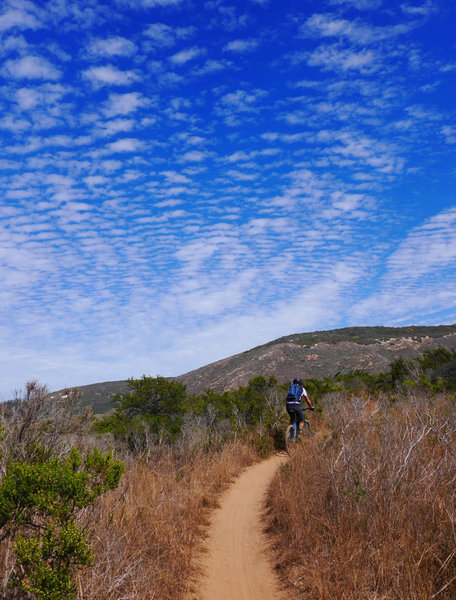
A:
x,y
366,509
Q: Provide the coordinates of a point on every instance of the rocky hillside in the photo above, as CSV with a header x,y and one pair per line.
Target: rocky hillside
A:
x,y
321,353
314,354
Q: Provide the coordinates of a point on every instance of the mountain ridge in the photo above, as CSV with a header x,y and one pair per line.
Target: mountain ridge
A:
x,y
313,354
321,354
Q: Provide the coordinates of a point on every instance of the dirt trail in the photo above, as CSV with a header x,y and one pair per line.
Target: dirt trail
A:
x,y
236,566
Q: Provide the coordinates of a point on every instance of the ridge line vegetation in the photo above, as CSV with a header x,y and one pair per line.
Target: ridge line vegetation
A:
x,y
366,335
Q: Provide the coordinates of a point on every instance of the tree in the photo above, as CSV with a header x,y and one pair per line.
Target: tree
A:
x,y
154,405
432,359
399,371
39,506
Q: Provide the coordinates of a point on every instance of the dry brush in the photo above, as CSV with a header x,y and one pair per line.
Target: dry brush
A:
x,y
146,532
365,510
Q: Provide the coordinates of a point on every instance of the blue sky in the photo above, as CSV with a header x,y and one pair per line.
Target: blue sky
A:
x,y
182,180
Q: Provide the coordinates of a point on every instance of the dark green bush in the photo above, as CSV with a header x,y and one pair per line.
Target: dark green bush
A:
x,y
39,506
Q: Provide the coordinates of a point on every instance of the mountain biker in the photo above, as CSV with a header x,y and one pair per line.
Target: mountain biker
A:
x,y
295,394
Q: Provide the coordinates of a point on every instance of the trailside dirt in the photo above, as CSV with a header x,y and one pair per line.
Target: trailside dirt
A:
x,y
235,565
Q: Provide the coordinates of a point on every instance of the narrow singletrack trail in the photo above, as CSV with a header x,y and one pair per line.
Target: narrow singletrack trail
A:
x,y
235,566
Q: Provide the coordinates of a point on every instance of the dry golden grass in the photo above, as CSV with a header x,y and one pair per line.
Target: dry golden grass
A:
x,y
147,530
367,511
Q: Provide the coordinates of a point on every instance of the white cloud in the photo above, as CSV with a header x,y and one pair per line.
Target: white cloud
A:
x,y
124,104
114,46
14,124
239,155
116,126
109,166
32,67
157,3
449,133
328,25
174,177
57,179
95,180
334,58
21,194
242,156
162,35
47,97
242,100
194,156
65,141
241,175
170,79
109,75
427,248
27,98
6,164
419,274
244,325
210,300
381,156
125,145
359,4
18,17
211,66
241,46
184,56
420,10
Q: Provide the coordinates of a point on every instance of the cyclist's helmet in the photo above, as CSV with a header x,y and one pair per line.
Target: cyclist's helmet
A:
x,y
297,380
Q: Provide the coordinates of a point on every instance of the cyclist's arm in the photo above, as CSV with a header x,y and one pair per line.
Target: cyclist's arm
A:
x,y
307,399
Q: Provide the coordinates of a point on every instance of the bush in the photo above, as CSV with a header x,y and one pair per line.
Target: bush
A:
x,y
39,505
153,407
45,487
366,508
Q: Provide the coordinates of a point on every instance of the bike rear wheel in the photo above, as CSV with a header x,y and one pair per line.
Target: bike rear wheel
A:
x,y
290,438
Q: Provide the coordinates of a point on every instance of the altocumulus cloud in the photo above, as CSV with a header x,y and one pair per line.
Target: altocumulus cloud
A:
x,y
32,67
114,46
109,75
178,185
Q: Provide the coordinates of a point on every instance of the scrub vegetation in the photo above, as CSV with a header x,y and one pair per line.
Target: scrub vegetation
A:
x,y
116,506
366,508
47,488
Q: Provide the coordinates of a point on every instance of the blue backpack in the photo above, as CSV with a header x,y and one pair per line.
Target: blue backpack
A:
x,y
294,393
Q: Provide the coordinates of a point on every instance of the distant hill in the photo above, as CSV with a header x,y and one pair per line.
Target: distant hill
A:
x,y
97,395
313,354
321,354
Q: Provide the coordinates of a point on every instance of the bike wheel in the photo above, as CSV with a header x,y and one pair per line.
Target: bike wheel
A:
x,y
290,438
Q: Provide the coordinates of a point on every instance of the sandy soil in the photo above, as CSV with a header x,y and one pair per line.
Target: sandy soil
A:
x,y
235,565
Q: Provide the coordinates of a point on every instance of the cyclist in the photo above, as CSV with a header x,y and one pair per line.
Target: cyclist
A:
x,y
295,394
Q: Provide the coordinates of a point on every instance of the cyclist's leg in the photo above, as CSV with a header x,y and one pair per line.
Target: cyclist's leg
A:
x,y
291,414
299,419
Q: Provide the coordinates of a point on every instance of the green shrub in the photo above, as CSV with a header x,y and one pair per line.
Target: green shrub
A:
x,y
263,444
39,506
154,405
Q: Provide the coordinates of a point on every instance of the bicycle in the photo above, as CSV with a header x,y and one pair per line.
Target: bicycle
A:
x,y
292,432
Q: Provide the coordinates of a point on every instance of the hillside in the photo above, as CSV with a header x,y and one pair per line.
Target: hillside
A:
x,y
321,354
313,354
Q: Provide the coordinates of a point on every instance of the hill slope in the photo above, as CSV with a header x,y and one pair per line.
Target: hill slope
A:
x,y
313,354
320,354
